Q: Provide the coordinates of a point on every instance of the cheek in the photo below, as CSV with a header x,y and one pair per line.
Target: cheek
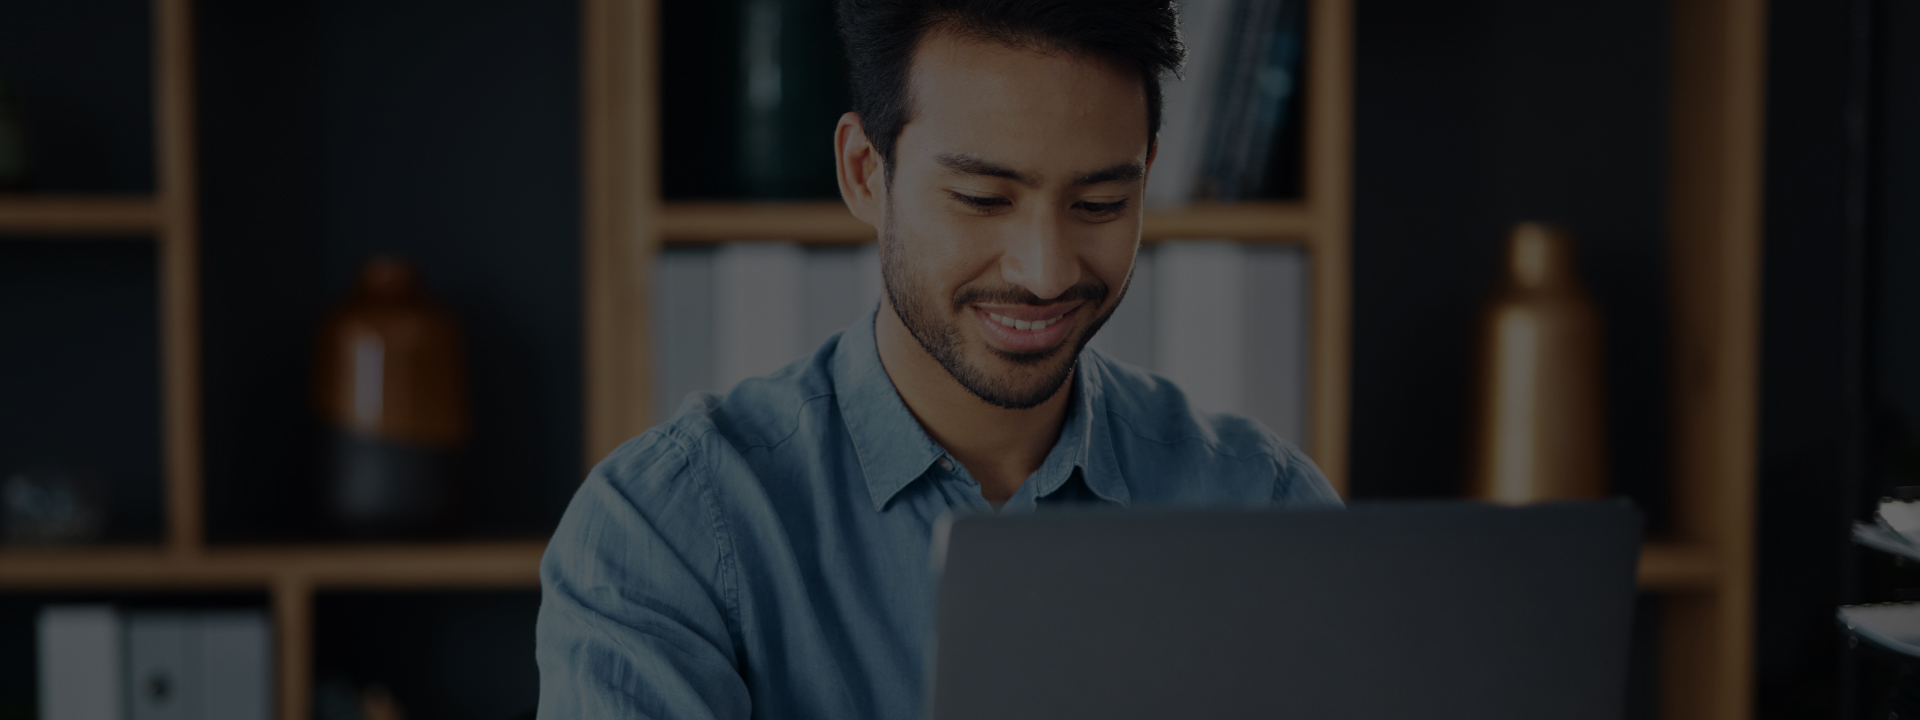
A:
x,y
1111,262
944,252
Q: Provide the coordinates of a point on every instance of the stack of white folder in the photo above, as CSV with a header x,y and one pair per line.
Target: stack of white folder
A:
x,y
100,663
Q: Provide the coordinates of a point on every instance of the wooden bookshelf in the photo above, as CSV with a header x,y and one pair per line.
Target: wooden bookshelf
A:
x,y
1704,573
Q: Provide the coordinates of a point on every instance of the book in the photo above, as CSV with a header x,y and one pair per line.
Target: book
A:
x,y
235,665
1250,100
79,662
1186,103
1199,321
723,314
758,309
163,683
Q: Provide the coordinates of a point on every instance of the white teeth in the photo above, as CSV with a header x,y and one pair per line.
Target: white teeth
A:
x,y
1024,324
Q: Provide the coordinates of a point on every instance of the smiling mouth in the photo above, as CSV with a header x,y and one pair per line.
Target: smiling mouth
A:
x,y
1041,330
1024,324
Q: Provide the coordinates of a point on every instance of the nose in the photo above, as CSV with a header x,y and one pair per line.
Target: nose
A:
x,y
1040,258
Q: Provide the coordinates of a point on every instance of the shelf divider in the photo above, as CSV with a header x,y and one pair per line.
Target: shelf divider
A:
x,y
828,222
81,215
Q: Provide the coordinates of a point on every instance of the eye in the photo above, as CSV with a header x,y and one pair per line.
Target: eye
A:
x,y
980,203
1102,209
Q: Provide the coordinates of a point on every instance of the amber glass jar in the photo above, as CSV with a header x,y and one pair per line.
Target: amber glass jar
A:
x,y
390,387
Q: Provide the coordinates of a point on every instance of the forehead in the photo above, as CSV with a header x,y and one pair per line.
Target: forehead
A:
x,y
1025,106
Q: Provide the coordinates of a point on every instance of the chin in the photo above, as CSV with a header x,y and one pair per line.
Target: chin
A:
x,y
1018,380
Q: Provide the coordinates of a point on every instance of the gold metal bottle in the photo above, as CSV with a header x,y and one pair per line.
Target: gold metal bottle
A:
x,y
1539,415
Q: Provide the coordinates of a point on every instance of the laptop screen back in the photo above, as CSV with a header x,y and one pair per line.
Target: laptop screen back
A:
x,y
1399,610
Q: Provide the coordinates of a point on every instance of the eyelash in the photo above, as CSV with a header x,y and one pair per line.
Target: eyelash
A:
x,y
990,203
980,203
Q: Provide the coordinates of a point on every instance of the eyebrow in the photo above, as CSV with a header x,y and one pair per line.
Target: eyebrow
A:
x,y
969,164
1118,173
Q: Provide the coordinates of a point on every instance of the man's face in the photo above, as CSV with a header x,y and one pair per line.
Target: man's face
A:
x,y
1013,212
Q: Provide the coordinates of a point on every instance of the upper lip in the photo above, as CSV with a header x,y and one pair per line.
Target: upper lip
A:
x,y
1031,313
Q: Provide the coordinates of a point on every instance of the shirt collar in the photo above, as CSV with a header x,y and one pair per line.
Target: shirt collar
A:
x,y
1086,442
894,450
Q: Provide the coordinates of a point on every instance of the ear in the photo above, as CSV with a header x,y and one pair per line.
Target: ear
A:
x,y
863,182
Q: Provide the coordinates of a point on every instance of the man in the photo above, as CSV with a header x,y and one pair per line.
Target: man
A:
x,y
766,553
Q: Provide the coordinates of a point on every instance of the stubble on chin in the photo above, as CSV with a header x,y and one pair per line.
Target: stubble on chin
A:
x,y
1004,379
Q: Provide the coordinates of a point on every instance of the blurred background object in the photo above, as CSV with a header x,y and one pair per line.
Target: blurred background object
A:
x,y
53,506
1539,423
390,384
15,158
1231,126
758,86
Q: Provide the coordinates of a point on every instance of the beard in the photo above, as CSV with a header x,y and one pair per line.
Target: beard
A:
x,y
1002,378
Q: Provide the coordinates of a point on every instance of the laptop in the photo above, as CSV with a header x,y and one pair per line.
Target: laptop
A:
x,y
1401,610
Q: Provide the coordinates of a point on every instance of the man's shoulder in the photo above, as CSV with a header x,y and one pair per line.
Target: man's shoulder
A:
x,y
1152,421
759,412
1150,407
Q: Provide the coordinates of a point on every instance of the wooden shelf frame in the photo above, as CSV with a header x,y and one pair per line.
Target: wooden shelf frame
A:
x,y
828,222
79,215
423,566
1664,567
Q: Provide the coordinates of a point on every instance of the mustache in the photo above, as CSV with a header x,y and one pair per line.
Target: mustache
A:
x,y
1092,292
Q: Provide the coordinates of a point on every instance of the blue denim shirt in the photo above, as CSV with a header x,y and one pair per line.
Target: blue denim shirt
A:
x,y
766,554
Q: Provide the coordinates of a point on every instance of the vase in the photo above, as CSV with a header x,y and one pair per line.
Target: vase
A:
x,y
390,388
1538,430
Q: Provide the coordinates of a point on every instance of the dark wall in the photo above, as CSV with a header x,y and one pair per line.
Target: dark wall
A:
x,y
1804,360
79,324
445,132
79,73
1471,116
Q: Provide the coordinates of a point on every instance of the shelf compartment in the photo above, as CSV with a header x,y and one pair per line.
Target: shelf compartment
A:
x,y
830,222
79,214
422,566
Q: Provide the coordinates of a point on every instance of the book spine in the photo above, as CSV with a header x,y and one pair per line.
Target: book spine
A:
x,y
1186,106
758,309
1200,321
683,326
79,662
163,682
1276,339
235,659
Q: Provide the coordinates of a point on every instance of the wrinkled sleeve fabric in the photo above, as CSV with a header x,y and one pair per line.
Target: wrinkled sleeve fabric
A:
x,y
1299,483
637,601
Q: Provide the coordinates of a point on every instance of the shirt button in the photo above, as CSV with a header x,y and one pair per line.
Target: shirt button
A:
x,y
946,464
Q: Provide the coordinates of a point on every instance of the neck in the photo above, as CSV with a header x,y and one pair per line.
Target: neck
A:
x,y
998,446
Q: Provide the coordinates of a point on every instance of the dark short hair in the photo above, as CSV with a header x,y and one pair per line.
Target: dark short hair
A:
x,y
881,36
